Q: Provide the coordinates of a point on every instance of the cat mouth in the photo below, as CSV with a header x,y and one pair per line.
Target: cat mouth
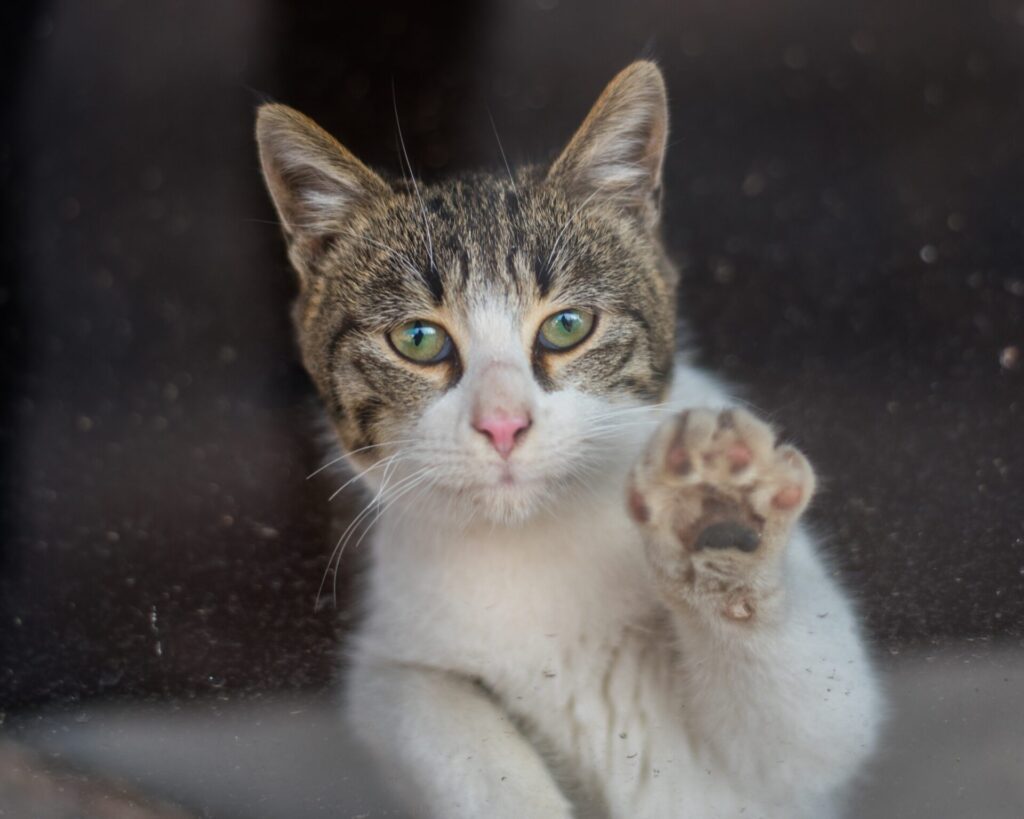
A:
x,y
510,477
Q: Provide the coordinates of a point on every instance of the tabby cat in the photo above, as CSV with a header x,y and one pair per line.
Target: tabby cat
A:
x,y
590,592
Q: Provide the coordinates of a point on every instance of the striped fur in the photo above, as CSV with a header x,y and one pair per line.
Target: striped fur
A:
x,y
372,253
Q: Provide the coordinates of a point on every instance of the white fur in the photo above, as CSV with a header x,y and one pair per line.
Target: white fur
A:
x,y
516,660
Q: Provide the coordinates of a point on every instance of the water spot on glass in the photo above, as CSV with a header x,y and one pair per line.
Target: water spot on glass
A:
x,y
724,272
862,42
977,65
691,45
753,184
795,57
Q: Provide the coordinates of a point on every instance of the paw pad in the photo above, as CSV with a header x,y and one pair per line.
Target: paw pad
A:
x,y
728,535
637,508
717,497
787,497
739,457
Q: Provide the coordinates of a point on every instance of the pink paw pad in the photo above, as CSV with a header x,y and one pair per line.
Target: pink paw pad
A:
x,y
739,456
787,497
637,508
678,460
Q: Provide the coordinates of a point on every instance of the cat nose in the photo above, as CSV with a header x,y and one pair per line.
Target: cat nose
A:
x,y
504,430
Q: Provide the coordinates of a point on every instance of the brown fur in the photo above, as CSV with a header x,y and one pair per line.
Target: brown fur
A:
x,y
372,254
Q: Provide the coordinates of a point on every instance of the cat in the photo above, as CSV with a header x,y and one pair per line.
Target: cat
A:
x,y
590,593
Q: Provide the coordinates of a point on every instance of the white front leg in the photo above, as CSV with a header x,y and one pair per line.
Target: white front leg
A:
x,y
447,749
778,691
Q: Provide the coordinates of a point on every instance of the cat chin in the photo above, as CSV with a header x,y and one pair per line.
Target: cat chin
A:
x,y
513,504
503,503
508,504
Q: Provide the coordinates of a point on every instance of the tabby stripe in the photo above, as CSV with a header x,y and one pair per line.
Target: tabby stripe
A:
x,y
510,267
463,265
648,392
512,205
639,317
346,328
366,415
542,272
432,278
626,350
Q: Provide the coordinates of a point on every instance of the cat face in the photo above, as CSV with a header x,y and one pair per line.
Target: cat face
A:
x,y
478,341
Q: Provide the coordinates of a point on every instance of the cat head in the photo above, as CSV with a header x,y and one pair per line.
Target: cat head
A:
x,y
479,342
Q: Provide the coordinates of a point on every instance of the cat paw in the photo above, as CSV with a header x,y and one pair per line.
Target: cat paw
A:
x,y
716,498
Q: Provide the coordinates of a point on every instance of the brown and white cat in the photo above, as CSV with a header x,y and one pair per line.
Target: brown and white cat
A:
x,y
590,594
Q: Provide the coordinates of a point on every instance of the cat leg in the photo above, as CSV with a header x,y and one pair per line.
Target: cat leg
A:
x,y
447,748
778,691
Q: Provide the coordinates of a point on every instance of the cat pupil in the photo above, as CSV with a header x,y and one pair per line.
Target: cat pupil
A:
x,y
567,322
417,334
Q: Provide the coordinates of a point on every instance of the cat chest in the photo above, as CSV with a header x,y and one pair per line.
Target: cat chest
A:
x,y
603,709
536,601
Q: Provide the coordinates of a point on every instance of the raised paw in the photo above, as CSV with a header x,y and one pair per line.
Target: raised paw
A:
x,y
716,498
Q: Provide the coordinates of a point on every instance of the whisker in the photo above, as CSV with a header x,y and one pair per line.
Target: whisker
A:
x,y
659,407
337,547
336,554
404,486
423,476
558,238
501,149
354,478
407,263
412,176
344,455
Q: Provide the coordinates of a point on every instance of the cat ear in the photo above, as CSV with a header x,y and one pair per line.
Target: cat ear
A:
x,y
314,181
618,151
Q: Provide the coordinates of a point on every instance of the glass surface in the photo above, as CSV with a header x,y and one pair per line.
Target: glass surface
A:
x,y
843,193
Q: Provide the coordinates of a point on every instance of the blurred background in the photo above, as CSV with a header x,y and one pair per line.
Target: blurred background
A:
x,y
844,194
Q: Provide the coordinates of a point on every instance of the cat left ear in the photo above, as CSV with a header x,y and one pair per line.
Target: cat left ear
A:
x,y
618,151
315,182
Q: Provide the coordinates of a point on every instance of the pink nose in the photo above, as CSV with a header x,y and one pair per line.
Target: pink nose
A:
x,y
503,430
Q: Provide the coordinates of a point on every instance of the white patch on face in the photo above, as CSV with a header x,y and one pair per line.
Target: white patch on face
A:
x,y
575,441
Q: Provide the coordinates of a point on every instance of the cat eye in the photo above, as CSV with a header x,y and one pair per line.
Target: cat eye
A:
x,y
421,341
565,329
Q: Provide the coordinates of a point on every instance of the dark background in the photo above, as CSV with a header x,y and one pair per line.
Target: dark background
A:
x,y
845,193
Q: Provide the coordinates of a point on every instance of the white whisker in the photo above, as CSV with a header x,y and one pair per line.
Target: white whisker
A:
x,y
344,455
501,149
412,177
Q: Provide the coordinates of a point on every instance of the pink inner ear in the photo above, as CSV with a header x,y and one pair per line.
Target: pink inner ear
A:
x,y
502,430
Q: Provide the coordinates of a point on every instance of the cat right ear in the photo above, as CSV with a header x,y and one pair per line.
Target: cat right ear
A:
x,y
315,182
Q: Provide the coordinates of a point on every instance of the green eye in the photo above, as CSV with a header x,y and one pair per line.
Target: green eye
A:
x,y
421,341
565,329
